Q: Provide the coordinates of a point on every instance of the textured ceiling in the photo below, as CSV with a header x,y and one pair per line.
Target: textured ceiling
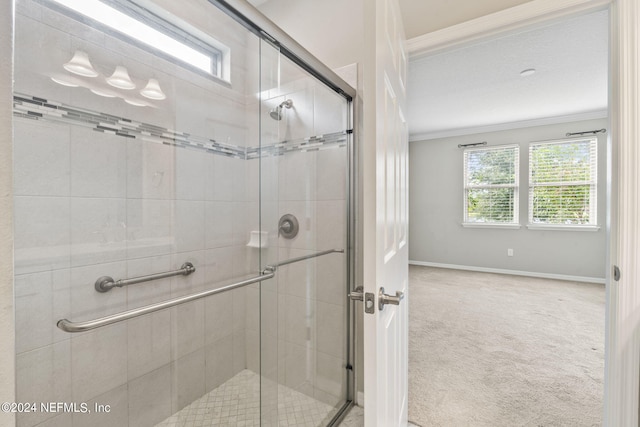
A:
x,y
424,16
480,85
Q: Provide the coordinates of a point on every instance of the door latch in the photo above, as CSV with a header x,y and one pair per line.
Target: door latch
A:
x,y
368,298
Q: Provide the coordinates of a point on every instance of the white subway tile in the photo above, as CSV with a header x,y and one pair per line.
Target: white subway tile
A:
x,y
149,227
150,170
251,308
300,321
299,278
299,365
41,234
98,163
189,225
332,174
190,174
219,177
331,221
219,219
218,313
187,328
150,397
219,362
331,375
117,414
148,343
40,158
297,176
254,355
43,375
329,111
38,306
219,267
239,351
330,327
99,230
331,278
99,360
188,379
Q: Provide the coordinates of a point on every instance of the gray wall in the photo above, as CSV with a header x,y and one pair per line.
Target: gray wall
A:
x,y
436,211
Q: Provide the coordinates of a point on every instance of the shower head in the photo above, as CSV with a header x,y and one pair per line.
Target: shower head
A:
x,y
276,113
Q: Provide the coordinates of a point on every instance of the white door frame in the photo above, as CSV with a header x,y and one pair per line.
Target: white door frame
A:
x,y
622,346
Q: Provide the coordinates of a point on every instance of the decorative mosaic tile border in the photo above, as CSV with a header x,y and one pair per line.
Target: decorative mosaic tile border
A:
x,y
35,108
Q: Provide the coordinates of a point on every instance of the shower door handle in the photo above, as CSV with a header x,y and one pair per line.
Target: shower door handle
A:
x,y
357,294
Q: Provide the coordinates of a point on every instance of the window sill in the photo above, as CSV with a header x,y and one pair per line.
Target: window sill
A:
x,y
563,227
490,225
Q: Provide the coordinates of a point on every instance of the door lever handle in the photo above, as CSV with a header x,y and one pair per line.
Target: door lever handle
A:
x,y
388,299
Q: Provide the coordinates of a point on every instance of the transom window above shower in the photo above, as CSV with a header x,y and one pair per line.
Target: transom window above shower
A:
x,y
145,25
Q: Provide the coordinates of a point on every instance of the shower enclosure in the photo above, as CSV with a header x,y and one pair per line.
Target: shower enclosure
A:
x,y
182,218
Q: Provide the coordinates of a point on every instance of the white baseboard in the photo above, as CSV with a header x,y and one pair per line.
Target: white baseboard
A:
x,y
513,272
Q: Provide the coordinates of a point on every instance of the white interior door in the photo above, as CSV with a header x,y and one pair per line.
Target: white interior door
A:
x,y
385,251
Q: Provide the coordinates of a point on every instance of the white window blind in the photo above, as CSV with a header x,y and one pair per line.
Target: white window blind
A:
x,y
491,185
563,180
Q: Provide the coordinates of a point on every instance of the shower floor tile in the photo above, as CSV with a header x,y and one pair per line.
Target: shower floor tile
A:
x,y
237,403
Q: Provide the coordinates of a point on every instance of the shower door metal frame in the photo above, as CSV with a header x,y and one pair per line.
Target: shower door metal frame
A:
x,y
249,17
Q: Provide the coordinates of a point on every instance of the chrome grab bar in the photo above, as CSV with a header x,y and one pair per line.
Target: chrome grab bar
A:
x,y
106,283
273,267
69,326
268,273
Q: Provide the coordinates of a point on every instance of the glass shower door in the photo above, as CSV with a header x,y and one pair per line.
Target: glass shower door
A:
x,y
128,163
304,215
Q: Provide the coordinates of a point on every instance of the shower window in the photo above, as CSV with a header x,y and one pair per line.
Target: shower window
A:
x,y
141,26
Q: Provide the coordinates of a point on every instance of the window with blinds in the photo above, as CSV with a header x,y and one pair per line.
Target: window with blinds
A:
x,y
563,182
491,185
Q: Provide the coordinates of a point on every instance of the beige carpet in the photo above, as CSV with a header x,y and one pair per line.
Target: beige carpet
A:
x,y
497,350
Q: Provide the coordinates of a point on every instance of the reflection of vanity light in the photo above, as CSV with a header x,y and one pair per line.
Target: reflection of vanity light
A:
x,y
80,65
120,79
528,72
105,93
152,90
134,102
64,81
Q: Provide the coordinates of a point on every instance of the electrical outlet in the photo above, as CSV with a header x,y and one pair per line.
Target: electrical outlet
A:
x,y
509,252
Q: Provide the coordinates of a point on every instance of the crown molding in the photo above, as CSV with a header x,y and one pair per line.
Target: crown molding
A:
x,y
591,115
511,19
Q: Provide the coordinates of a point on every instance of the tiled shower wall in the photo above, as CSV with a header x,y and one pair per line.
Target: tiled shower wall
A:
x,y
90,203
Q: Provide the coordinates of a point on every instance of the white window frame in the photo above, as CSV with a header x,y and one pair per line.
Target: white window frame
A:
x,y
593,183
144,27
515,222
